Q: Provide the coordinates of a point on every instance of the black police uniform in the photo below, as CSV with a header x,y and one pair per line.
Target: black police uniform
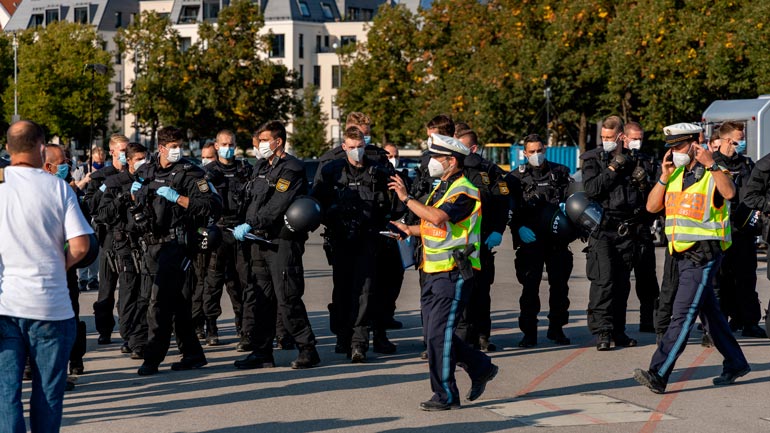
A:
x,y
541,186
755,193
737,277
166,256
108,275
226,262
476,324
357,205
79,348
275,280
115,211
612,251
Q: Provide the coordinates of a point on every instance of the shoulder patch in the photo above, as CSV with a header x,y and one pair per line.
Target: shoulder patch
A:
x,y
484,177
282,185
203,185
503,187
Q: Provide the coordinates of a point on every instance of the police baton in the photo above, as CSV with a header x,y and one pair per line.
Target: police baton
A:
x,y
253,237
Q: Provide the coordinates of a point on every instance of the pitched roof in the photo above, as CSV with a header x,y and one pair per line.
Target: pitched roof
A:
x,y
10,5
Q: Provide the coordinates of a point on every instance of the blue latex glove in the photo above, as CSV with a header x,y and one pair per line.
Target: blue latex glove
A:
x,y
527,235
494,239
240,231
562,207
103,188
136,186
168,193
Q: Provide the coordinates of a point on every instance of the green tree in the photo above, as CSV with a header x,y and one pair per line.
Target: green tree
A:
x,y
233,85
157,93
309,137
6,79
57,85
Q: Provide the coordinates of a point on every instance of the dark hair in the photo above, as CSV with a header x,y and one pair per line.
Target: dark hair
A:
x,y
613,122
354,133
134,148
24,136
276,128
730,126
443,124
474,138
532,138
461,128
169,134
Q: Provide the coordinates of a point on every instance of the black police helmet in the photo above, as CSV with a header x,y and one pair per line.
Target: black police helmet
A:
x,y
304,215
91,255
209,238
747,220
584,213
555,225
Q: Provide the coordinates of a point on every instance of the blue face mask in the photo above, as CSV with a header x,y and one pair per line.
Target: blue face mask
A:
x,y
226,152
62,170
367,139
122,157
98,165
740,146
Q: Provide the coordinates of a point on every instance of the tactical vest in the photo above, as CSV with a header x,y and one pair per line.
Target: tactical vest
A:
x,y
440,241
691,215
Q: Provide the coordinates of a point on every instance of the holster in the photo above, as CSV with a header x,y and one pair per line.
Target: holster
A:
x,y
703,252
463,261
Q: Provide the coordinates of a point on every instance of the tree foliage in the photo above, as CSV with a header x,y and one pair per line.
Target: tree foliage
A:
x,y
6,79
308,138
56,87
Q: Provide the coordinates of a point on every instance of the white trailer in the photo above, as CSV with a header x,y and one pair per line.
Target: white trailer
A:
x,y
753,113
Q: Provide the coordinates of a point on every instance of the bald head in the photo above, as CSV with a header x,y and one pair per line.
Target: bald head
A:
x,y
25,136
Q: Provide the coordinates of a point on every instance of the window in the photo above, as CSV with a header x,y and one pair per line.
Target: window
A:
x,y
119,108
367,14
210,10
344,40
278,46
301,46
327,10
336,76
335,108
317,76
303,9
353,14
118,20
185,44
81,15
326,42
36,20
51,15
118,57
301,82
318,43
189,14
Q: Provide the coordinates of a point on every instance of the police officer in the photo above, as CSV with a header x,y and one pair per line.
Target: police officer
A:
x,y
694,188
645,269
611,252
195,279
229,178
544,186
108,275
354,195
450,228
115,211
737,278
276,275
476,324
176,199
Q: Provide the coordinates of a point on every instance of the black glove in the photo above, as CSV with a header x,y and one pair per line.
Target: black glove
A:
x,y
639,175
618,162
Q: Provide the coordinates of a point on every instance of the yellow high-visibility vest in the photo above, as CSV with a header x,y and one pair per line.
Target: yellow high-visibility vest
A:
x,y
691,215
438,242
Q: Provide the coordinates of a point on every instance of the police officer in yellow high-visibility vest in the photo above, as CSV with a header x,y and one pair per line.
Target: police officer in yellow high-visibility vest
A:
x,y
695,192
450,228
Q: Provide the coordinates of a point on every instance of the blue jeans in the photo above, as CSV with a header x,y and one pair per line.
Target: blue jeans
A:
x,y
48,344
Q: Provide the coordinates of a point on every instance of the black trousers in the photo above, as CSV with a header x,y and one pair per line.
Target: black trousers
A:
x,y
108,281
275,282
390,277
169,304
79,348
354,268
195,283
223,273
132,305
530,259
737,281
645,272
609,261
664,305
475,320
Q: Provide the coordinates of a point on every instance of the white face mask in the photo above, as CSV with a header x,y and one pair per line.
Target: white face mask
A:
x,y
635,144
206,161
680,159
139,163
258,154
609,146
356,155
435,168
394,162
536,159
265,150
174,154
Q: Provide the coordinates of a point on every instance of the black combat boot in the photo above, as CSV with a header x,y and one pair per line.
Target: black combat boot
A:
x,y
212,333
382,344
307,358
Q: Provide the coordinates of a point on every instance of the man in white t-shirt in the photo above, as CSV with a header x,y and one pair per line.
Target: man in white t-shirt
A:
x,y
39,213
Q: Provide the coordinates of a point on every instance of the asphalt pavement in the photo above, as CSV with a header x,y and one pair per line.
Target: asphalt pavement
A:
x,y
547,388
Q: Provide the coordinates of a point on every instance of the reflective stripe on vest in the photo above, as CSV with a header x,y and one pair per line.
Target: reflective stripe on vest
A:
x,y
440,241
691,216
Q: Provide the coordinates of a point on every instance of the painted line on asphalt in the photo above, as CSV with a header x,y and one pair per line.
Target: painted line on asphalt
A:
x,y
673,393
548,373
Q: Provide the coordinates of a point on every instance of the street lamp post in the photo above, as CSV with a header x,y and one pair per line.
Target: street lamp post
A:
x,y
15,117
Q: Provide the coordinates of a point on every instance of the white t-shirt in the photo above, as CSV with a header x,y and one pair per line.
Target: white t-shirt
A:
x,y
38,213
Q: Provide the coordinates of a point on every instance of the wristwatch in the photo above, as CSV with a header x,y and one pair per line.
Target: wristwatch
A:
x,y
409,197
714,167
